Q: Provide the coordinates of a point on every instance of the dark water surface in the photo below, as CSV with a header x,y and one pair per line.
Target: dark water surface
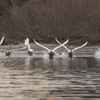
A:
x,y
40,78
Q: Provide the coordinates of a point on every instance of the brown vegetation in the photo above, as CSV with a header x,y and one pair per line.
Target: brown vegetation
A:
x,y
78,20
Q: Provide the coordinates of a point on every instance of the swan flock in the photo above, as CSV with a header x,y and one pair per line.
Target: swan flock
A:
x,y
50,52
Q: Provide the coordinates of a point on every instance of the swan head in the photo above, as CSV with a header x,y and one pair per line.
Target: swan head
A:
x,y
51,54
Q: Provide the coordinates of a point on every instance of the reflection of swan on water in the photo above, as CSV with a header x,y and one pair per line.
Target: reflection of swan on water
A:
x,y
9,51
70,52
27,62
2,40
30,51
51,52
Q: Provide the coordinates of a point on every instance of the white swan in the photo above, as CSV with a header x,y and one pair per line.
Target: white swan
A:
x,y
2,40
9,51
51,52
30,51
70,52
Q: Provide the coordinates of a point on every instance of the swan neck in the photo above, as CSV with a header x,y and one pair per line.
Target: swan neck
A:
x,y
28,47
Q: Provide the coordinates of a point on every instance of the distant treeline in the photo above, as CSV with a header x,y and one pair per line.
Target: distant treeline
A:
x,y
78,20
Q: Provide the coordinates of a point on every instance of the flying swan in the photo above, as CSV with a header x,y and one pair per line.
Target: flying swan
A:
x,y
9,51
30,51
51,52
70,52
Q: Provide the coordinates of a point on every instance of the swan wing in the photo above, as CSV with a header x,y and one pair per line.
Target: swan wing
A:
x,y
28,46
57,40
60,45
2,40
26,41
42,45
80,46
63,45
18,49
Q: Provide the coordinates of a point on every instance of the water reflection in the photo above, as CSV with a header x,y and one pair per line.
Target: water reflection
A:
x,y
40,78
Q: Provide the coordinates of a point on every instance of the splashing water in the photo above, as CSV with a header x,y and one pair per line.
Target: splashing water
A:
x,y
97,53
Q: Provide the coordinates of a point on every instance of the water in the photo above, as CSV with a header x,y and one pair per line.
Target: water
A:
x,y
23,77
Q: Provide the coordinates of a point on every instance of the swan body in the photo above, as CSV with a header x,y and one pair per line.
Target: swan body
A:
x,y
30,51
51,53
9,51
2,40
70,52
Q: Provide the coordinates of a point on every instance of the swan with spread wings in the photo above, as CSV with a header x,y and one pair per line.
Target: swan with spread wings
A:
x,y
70,52
9,51
51,52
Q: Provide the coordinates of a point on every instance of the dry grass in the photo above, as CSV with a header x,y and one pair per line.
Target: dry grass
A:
x,y
44,20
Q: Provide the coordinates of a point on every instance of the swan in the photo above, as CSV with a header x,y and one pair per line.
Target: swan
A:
x,y
9,51
51,52
70,52
30,51
2,40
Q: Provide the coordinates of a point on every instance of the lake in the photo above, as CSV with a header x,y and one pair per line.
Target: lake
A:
x,y
37,77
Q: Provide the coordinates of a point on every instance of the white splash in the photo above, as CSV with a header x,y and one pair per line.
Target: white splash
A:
x,y
97,53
